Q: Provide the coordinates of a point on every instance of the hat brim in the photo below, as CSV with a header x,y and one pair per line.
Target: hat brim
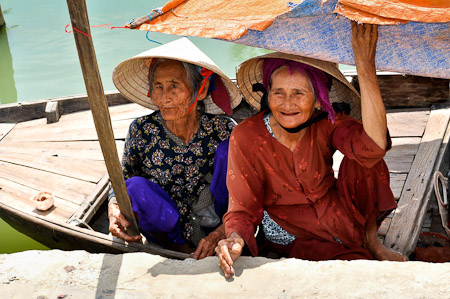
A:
x,y
250,72
131,75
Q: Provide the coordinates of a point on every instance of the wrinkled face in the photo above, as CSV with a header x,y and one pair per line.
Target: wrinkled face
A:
x,y
291,97
171,90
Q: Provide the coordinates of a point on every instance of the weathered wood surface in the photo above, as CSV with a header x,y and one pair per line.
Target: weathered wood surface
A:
x,y
25,111
69,167
80,150
410,91
91,204
43,168
18,196
406,223
5,129
72,169
407,122
71,189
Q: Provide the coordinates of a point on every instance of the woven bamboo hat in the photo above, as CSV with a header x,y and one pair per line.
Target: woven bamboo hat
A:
x,y
131,75
250,72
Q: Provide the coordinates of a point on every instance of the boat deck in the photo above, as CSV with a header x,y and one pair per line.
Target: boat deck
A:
x,y
65,158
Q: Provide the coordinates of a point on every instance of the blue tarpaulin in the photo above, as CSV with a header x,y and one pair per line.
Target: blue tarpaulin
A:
x,y
312,28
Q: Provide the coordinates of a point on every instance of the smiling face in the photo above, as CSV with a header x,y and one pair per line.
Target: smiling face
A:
x,y
291,97
171,90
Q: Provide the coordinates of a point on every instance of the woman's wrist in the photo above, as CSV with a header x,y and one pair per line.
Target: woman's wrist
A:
x,y
234,235
112,200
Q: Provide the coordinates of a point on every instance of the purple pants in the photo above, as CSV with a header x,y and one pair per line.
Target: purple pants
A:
x,y
157,211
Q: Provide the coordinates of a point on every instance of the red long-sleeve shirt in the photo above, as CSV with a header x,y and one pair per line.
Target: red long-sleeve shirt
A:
x,y
297,189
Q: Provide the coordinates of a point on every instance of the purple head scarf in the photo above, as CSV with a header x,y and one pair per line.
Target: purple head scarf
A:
x,y
320,80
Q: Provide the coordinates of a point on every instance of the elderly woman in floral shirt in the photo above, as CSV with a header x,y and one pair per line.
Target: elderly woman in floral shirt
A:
x,y
175,159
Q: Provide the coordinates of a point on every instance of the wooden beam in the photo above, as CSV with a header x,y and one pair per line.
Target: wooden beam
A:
x,y
26,111
4,129
2,20
52,112
407,221
99,107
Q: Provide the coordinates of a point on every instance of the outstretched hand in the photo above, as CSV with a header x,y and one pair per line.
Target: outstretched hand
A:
x,y
118,224
364,43
373,114
228,250
207,245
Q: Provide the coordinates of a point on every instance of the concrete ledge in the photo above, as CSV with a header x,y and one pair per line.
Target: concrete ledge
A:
x,y
78,274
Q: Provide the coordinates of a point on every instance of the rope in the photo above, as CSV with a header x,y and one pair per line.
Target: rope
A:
x,y
439,178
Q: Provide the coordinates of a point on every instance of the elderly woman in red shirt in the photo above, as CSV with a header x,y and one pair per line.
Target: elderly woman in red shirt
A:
x,y
280,174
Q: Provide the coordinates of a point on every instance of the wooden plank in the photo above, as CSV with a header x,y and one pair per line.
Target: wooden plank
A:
x,y
397,182
84,150
97,101
92,203
83,119
399,159
86,170
5,129
18,196
66,131
405,227
384,227
26,111
70,189
69,237
128,111
398,90
404,123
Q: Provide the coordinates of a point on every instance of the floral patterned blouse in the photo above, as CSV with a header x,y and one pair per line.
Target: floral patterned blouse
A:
x,y
153,152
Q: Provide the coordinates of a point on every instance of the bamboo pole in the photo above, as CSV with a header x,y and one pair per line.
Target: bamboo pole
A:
x,y
99,107
2,19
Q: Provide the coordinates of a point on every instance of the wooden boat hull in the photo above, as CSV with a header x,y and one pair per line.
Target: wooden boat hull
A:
x,y
64,158
69,237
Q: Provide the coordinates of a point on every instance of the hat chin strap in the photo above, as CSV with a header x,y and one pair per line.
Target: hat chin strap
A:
x,y
206,74
306,124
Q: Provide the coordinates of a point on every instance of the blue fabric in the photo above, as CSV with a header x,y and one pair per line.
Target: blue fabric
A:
x,y
158,213
219,182
311,29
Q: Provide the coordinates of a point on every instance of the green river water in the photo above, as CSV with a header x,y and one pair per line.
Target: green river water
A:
x,y
39,60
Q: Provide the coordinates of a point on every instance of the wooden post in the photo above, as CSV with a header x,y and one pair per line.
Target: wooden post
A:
x,y
99,107
2,20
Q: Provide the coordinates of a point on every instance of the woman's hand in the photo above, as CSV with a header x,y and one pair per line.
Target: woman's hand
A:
x,y
364,42
373,114
118,224
207,245
228,250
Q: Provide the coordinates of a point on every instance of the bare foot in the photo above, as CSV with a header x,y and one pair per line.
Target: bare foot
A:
x,y
377,249
381,253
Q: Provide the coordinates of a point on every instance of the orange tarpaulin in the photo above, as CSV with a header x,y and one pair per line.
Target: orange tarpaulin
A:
x,y
217,19
321,29
231,20
391,12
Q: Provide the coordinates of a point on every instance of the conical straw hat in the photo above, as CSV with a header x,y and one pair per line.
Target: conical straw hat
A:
x,y
250,72
131,75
